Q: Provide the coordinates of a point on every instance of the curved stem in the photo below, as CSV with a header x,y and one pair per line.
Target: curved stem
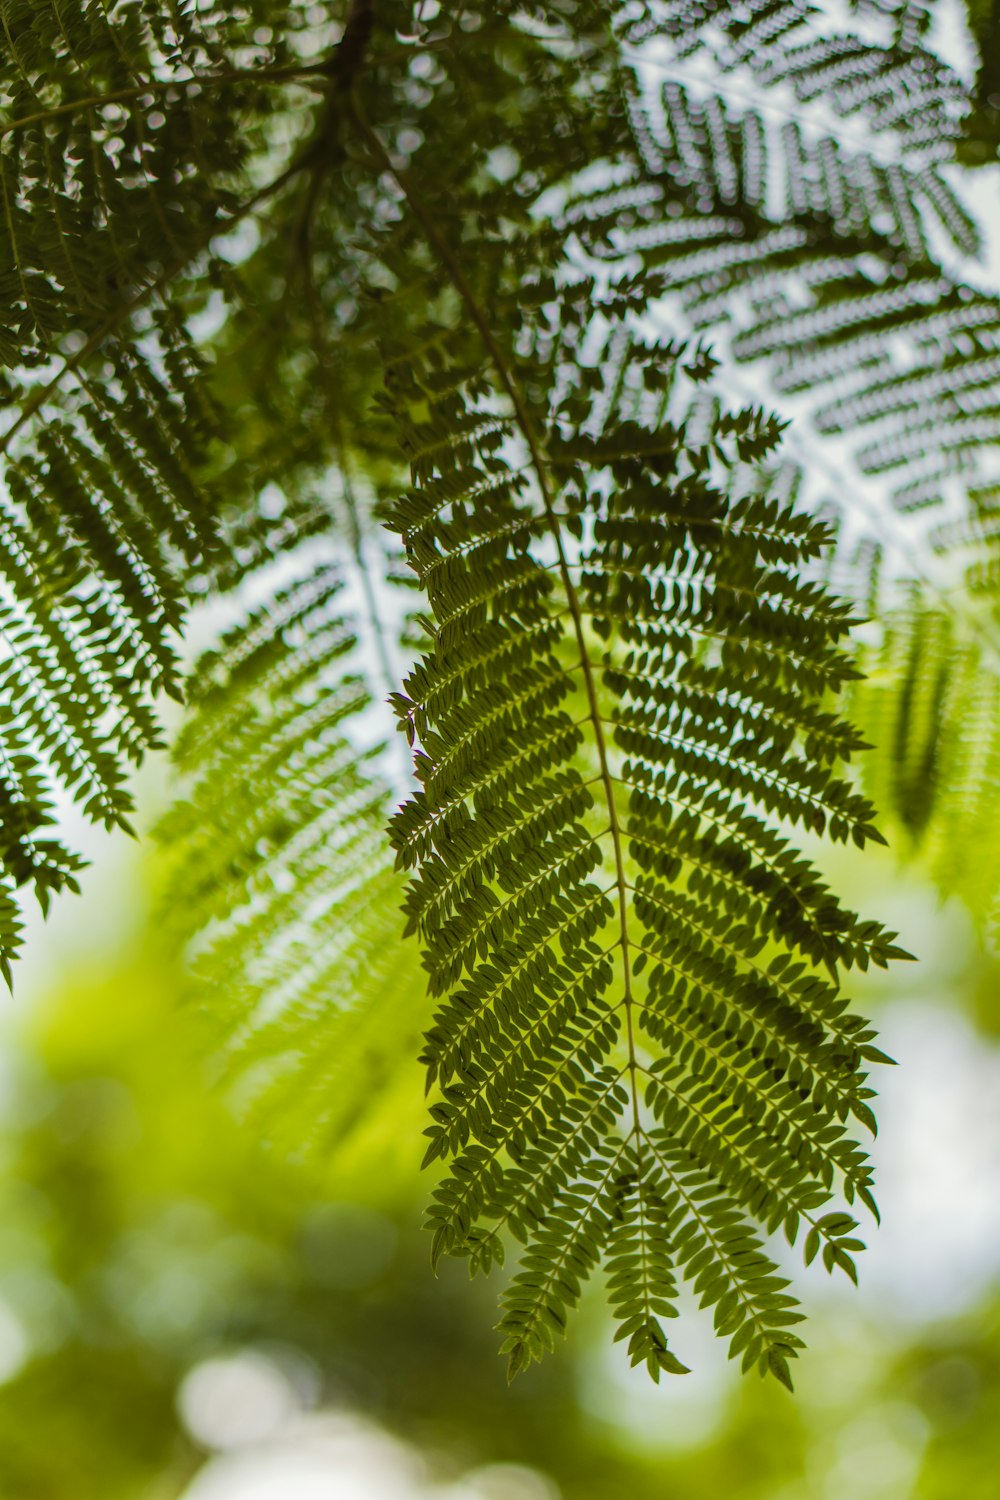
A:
x,y
331,403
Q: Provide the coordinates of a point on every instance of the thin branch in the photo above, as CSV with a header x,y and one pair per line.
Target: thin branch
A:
x,y
290,74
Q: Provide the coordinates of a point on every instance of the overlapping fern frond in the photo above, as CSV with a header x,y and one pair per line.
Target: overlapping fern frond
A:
x,y
807,211
823,260
283,875
114,178
822,235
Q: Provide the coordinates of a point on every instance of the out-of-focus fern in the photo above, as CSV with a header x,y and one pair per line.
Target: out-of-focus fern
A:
x,y
284,875
823,259
931,703
883,68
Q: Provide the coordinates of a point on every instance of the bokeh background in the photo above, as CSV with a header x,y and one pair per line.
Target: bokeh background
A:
x,y
192,1306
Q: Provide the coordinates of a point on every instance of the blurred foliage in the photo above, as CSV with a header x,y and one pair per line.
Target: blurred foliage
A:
x,y
144,1229
980,142
953,1377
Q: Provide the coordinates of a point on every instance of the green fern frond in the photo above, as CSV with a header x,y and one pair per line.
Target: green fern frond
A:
x,y
101,520
114,180
114,162
622,709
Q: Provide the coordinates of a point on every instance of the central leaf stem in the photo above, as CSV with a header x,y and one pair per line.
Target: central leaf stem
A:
x,y
538,463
